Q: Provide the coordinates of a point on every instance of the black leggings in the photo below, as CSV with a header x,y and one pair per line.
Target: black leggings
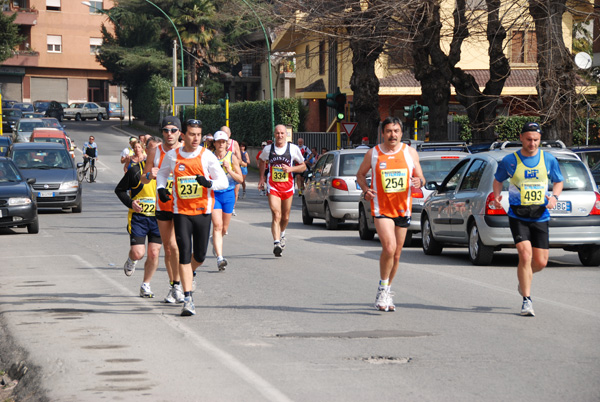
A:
x,y
190,228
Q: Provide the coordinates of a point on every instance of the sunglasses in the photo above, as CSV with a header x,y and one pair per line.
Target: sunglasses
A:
x,y
170,130
193,122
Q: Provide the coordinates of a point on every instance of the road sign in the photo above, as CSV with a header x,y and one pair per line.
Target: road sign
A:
x,y
349,128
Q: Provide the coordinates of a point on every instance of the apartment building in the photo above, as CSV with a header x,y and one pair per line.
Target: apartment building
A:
x,y
57,58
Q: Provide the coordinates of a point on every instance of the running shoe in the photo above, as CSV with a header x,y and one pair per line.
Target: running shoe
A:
x,y
178,293
277,249
188,307
381,300
170,296
243,194
221,263
145,290
282,242
129,266
527,309
233,213
390,301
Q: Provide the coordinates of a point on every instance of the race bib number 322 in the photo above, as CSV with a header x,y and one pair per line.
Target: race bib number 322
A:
x,y
188,187
148,205
394,180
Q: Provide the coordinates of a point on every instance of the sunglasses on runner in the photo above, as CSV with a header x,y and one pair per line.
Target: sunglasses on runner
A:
x,y
193,122
170,130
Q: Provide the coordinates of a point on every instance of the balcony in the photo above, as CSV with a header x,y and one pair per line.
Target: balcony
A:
x,y
25,16
23,58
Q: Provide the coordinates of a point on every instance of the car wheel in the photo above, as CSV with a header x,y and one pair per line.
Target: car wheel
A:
x,y
78,117
479,253
34,227
78,208
306,218
331,223
99,117
408,238
363,227
121,118
589,256
430,245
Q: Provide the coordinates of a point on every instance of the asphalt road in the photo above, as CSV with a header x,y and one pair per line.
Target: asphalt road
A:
x,y
297,328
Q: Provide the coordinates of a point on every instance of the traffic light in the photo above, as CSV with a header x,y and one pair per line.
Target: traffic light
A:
x,y
337,101
418,111
223,111
425,117
409,112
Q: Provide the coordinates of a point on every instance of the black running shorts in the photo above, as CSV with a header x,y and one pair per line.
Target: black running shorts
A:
x,y
535,232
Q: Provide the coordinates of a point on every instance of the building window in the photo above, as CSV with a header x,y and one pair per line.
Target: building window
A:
x,y
95,44
476,5
322,56
54,43
399,52
96,7
307,57
53,5
523,47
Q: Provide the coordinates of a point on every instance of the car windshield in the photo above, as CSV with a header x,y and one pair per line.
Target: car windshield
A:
x,y
76,105
437,169
27,126
349,164
8,172
42,159
575,174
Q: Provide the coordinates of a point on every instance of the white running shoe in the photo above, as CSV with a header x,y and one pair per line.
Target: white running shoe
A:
x,y
381,300
233,213
188,307
129,266
145,290
170,296
221,263
390,301
178,293
527,309
282,242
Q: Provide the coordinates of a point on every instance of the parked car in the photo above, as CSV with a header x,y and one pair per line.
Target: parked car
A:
x,y
24,106
33,115
590,155
458,213
7,103
331,192
25,128
55,172
10,117
113,109
5,143
45,134
18,205
85,110
437,160
50,109
64,105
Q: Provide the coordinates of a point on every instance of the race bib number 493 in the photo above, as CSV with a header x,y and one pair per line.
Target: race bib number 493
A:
x,y
188,187
532,193
394,180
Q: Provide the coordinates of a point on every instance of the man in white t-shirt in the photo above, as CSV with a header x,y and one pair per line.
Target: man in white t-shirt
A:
x,y
128,151
282,159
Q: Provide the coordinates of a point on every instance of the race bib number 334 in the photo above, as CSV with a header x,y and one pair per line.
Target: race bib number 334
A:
x,y
188,187
394,180
279,175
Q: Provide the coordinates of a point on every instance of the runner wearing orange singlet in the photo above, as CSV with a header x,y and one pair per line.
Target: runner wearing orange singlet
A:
x,y
171,130
196,173
395,168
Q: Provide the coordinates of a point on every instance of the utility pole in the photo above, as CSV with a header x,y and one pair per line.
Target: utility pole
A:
x,y
174,62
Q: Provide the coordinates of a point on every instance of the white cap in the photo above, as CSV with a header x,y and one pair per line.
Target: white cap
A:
x,y
220,135
264,143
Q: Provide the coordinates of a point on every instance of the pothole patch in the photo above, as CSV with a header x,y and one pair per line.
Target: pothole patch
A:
x,y
385,360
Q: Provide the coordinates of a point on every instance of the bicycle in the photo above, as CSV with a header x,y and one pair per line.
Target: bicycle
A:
x,y
82,173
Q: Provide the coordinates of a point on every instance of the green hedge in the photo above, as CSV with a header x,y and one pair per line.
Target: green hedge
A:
x,y
150,99
249,121
509,128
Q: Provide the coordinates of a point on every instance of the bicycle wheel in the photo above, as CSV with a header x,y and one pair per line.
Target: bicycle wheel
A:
x,y
93,173
80,174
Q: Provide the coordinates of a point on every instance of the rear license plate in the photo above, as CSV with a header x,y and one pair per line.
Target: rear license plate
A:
x,y
562,207
44,194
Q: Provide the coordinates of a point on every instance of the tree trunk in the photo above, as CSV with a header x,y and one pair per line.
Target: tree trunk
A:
x,y
556,76
366,48
481,106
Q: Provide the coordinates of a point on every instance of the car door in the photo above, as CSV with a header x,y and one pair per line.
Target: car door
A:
x,y
441,202
467,200
90,110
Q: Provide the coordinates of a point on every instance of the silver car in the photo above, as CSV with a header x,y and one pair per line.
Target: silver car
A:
x,y
25,127
437,160
331,192
458,213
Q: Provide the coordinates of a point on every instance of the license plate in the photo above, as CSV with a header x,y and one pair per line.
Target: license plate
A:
x,y
44,194
562,207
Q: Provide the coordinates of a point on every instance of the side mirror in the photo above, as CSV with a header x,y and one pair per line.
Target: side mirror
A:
x,y
79,165
432,185
31,180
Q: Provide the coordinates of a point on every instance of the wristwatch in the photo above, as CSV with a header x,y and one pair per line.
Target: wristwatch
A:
x,y
555,196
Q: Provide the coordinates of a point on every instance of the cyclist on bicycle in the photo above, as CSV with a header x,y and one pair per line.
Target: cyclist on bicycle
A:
x,y
90,152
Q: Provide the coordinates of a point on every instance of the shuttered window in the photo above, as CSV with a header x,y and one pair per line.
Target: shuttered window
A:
x,y
54,43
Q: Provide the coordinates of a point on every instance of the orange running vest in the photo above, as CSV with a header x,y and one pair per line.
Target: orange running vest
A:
x,y
391,173
189,197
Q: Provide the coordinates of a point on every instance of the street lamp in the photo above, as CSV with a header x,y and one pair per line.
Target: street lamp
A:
x,y
269,62
87,3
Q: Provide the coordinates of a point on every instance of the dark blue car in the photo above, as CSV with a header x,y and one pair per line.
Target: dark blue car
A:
x,y
18,205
